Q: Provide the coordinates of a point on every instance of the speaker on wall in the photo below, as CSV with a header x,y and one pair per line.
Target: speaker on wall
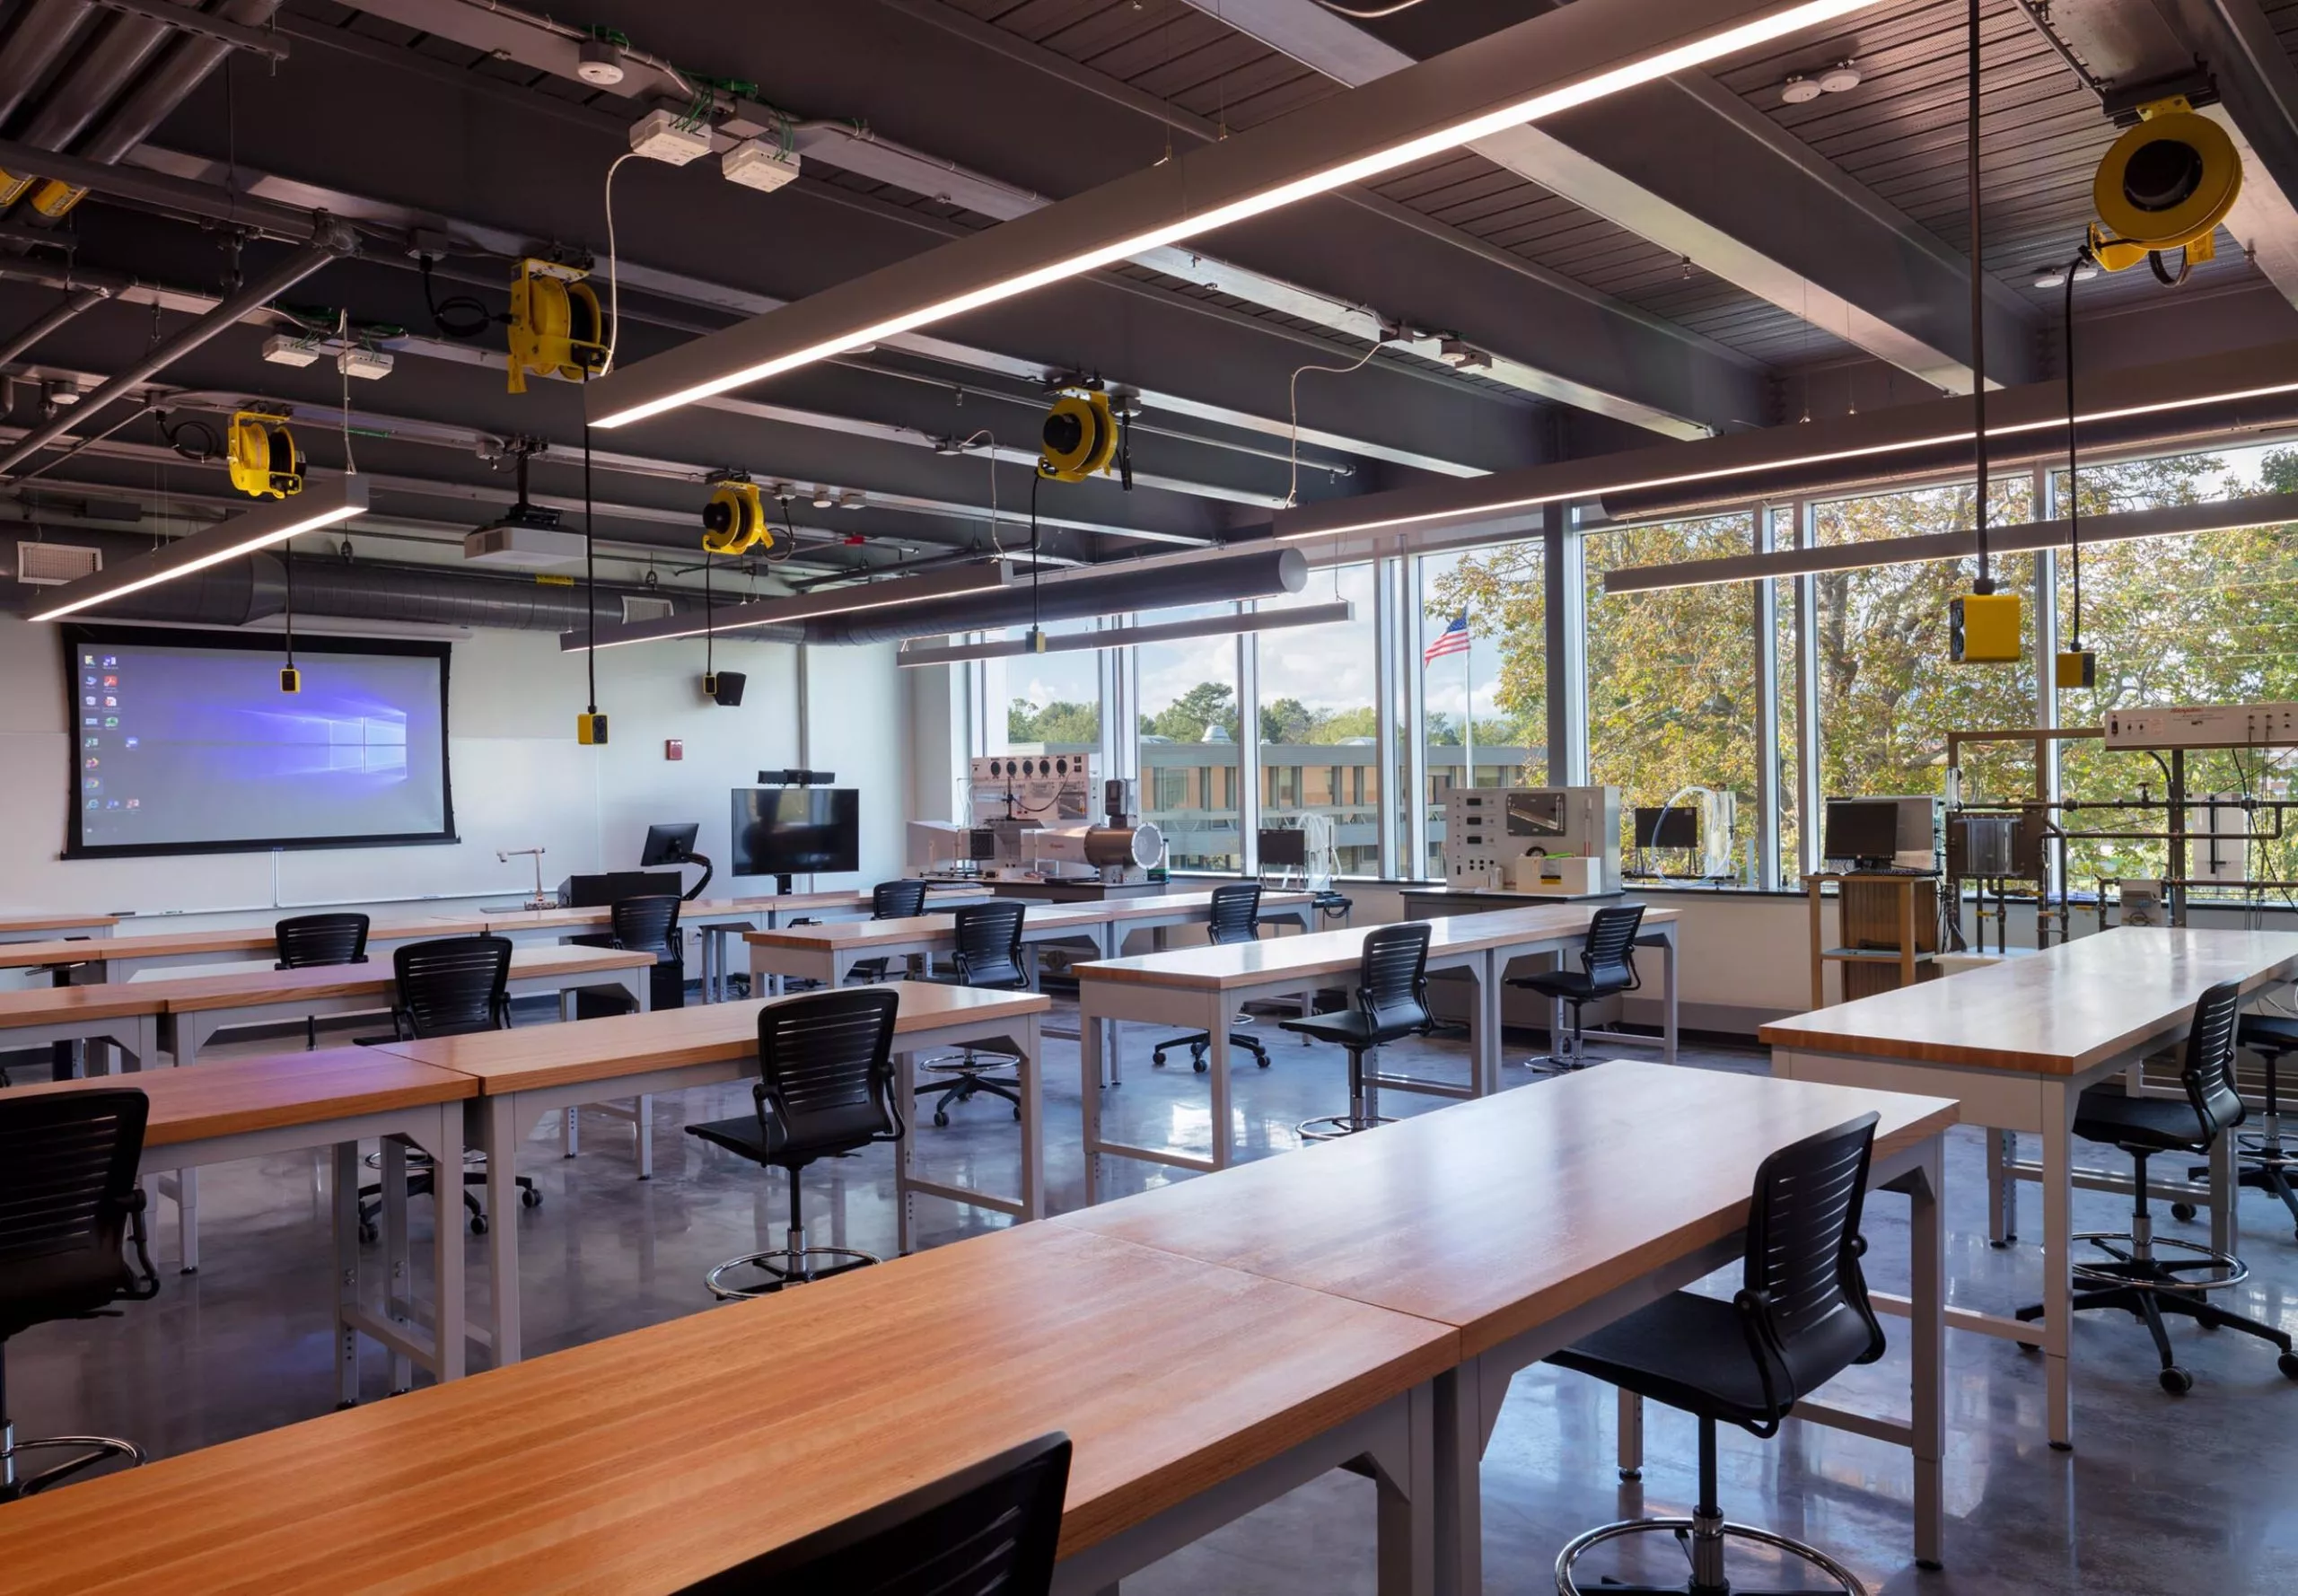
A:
x,y
726,687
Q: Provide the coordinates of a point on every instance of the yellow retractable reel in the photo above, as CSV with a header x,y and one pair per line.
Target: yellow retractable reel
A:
x,y
261,455
557,327
2167,184
1079,437
734,521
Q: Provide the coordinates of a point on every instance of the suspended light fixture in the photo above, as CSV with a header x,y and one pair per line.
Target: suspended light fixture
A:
x,y
1539,68
320,504
1211,625
771,612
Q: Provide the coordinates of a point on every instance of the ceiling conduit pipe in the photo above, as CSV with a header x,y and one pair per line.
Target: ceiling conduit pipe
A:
x,y
330,240
186,67
39,41
99,78
41,327
1262,574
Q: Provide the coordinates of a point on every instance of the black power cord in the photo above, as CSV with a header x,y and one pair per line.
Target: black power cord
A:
x,y
458,316
1986,582
2074,484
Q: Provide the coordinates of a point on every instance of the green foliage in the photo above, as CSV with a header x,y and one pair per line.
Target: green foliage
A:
x,y
1501,591
1185,718
1056,722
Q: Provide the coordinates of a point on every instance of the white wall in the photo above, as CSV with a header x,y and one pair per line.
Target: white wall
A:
x,y
520,777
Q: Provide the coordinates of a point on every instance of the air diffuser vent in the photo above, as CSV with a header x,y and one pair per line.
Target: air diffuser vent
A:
x,y
52,565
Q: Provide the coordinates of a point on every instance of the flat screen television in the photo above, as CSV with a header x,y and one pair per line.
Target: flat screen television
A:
x,y
797,830
1862,828
1669,827
183,742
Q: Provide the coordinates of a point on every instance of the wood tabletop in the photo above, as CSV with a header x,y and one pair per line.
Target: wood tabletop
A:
x,y
2059,1011
17,924
1501,1214
642,1462
1036,917
539,1056
231,1096
258,940
40,1005
1331,952
192,992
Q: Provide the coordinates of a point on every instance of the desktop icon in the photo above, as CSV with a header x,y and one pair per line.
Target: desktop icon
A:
x,y
135,803
87,681
87,659
133,742
95,804
88,720
92,743
93,762
90,701
111,803
111,659
110,722
111,681
111,701
92,784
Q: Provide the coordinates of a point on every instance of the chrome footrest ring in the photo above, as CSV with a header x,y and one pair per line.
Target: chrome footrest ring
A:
x,y
784,1267
2194,1256
1333,1128
1682,1529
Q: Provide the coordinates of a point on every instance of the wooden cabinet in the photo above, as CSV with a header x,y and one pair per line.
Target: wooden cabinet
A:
x,y
1887,931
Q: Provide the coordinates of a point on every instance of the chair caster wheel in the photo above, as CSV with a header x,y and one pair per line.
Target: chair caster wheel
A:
x,y
1199,1066
530,1198
479,1225
2182,1210
940,1118
2288,1364
1157,1059
369,1234
2176,1381
1262,1061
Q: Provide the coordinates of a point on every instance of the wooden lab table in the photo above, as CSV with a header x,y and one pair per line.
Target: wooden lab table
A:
x,y
334,1097
1527,1220
642,1463
525,1074
2015,1044
21,928
767,913
1192,989
130,957
128,1017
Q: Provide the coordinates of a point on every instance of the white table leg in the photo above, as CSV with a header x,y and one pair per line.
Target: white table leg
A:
x,y
1459,1487
187,1219
905,1156
1484,1025
1032,1077
2059,1256
1406,1550
1088,1081
1670,1029
1217,1063
398,1291
499,1136
645,1123
347,1272
1928,1339
447,1294
2002,1191
2225,1193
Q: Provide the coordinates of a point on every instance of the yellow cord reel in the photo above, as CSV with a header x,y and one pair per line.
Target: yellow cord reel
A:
x,y
1079,436
2167,184
734,521
557,327
261,454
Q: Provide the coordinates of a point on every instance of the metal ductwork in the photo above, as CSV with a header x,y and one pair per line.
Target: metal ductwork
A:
x,y
38,42
1263,573
171,84
98,78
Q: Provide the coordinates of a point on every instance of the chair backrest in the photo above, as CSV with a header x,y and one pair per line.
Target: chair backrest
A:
x,y
647,924
1802,1297
1608,955
897,900
2207,1072
826,1071
321,939
1235,915
1392,980
988,1531
67,1192
454,984
989,944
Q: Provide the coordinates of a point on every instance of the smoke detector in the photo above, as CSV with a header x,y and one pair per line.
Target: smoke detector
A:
x,y
1798,90
599,61
1840,78
852,499
824,498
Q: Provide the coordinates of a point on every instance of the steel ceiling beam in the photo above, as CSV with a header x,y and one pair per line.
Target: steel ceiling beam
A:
x,y
1852,265
2257,88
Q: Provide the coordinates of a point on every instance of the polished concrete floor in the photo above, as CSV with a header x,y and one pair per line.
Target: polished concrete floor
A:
x,y
2162,1494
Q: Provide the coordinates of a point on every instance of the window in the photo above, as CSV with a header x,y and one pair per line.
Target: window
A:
x,y
1047,702
1888,693
1671,682
1189,742
1319,731
2205,619
1503,673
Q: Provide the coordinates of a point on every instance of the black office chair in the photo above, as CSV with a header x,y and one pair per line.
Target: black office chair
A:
x,y
308,939
1391,1003
453,985
645,924
989,954
988,1531
2131,1277
824,1089
889,900
1799,1317
2262,1161
1235,917
68,1204
1607,966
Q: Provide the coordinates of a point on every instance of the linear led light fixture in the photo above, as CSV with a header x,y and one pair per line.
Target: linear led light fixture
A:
x,y
1171,631
1538,68
2227,379
322,503
2176,520
773,612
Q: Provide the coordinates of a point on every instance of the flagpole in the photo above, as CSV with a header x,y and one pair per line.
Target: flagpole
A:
x,y
1467,703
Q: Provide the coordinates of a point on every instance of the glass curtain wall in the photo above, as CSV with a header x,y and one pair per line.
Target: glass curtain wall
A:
x,y
1189,767
1319,728
1048,703
1484,707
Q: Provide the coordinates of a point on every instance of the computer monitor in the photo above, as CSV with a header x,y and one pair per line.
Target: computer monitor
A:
x,y
797,830
1669,827
669,844
1284,848
1862,830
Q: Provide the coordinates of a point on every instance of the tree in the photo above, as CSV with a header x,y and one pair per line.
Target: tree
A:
x,y
1058,721
1287,720
1502,592
1186,719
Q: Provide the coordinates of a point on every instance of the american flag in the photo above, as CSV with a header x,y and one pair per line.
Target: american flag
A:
x,y
1454,639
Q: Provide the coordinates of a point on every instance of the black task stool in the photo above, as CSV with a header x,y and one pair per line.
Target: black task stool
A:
x,y
2131,1277
453,985
824,1089
1607,966
2260,1161
643,925
1799,1317
1391,1003
989,954
889,900
68,1204
308,939
988,1531
1235,917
